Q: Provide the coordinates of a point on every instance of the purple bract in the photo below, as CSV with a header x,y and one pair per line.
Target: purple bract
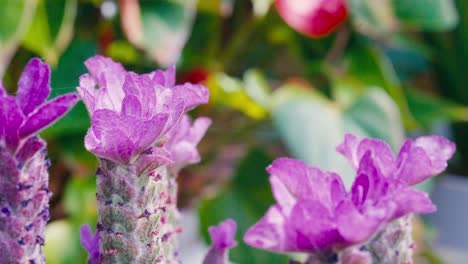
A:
x,y
130,112
315,214
222,237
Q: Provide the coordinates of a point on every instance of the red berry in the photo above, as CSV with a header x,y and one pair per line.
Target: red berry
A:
x,y
314,18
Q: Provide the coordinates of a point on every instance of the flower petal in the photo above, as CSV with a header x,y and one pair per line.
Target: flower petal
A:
x,y
192,94
269,233
222,236
10,120
423,158
47,114
91,243
33,85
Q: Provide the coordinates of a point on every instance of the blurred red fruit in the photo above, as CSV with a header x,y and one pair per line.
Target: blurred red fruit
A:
x,y
314,18
196,75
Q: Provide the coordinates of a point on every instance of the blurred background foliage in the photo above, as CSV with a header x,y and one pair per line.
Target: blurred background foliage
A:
x,y
393,68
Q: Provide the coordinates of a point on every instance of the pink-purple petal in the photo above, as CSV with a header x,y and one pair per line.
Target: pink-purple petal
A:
x,y
90,243
269,233
11,119
423,158
192,94
33,86
47,114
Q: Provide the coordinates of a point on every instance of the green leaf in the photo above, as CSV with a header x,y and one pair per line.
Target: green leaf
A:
x,y
65,80
370,67
312,127
161,28
62,243
15,18
232,92
436,15
52,29
245,201
430,109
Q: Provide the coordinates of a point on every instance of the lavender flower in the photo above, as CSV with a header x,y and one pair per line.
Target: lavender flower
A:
x,y
316,215
222,237
133,118
24,193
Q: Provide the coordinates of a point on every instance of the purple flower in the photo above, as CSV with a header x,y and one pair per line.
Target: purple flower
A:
x,y
91,243
183,139
29,113
222,237
315,214
131,112
24,193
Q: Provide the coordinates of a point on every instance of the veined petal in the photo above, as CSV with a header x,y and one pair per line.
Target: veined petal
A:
x,y
47,114
410,200
11,119
423,158
91,243
110,75
33,86
269,232
87,91
165,78
354,226
354,149
192,94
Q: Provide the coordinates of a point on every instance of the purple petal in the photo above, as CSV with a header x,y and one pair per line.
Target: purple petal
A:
x,y
131,106
87,91
109,75
292,179
11,119
423,158
113,145
91,243
143,90
409,200
354,226
311,227
354,148
47,114
269,232
165,78
222,236
152,158
33,85
29,148
192,94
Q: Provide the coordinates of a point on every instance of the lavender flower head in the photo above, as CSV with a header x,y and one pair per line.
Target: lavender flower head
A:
x,y
315,214
222,237
24,193
142,137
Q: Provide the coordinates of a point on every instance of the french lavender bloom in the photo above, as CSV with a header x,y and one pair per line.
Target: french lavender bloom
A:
x,y
24,192
222,237
314,213
141,136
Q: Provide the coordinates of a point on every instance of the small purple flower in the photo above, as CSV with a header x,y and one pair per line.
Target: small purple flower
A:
x,y
91,243
183,139
315,214
29,113
24,193
222,237
131,112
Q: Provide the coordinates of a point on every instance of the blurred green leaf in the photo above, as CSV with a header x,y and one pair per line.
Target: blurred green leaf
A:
x,y
15,18
257,87
65,80
52,28
161,28
232,92
261,7
386,16
370,67
428,109
434,15
312,127
62,243
246,201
